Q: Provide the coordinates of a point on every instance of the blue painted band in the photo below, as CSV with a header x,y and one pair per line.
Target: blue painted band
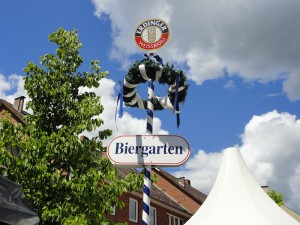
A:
x,y
150,113
149,127
147,173
146,208
146,190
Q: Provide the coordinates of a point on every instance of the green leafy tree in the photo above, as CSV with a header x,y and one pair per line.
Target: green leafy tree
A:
x,y
64,178
277,197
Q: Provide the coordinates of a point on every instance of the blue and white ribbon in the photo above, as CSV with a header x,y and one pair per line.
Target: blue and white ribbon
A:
x,y
121,100
164,101
150,107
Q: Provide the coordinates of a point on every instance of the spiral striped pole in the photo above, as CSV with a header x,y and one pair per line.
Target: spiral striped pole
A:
x,y
147,169
150,107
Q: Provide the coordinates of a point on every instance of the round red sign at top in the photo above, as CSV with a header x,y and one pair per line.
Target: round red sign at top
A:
x,y
151,34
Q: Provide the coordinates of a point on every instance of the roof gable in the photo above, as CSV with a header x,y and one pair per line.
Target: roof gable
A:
x,y
17,115
193,193
156,193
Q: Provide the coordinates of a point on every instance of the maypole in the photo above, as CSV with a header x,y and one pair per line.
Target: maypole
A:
x,y
148,40
151,35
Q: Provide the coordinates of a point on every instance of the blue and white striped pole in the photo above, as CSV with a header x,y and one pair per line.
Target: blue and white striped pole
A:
x,y
147,169
150,107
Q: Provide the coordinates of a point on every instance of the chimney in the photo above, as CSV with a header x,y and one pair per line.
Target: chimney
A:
x,y
265,188
83,138
184,181
187,182
19,103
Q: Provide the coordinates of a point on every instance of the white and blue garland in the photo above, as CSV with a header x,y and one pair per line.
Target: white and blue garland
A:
x,y
146,70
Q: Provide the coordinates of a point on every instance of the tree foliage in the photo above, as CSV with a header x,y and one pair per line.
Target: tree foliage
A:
x,y
63,178
277,197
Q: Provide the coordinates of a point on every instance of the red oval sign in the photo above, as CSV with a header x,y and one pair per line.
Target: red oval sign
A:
x,y
151,34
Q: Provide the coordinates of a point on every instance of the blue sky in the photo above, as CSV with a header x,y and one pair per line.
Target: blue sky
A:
x,y
241,59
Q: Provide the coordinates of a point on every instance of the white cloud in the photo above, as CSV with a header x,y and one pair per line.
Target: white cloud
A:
x,y
270,148
291,86
11,87
202,170
230,85
259,40
125,125
4,84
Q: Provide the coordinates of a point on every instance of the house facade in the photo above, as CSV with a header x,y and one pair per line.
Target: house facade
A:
x,y
163,211
166,207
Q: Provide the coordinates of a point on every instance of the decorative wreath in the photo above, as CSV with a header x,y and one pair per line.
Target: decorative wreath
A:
x,y
148,69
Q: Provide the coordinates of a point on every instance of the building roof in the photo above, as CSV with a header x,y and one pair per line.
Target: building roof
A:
x,y
196,195
156,193
11,108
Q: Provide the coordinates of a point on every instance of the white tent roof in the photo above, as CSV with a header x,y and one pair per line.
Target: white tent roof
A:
x,y
236,199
